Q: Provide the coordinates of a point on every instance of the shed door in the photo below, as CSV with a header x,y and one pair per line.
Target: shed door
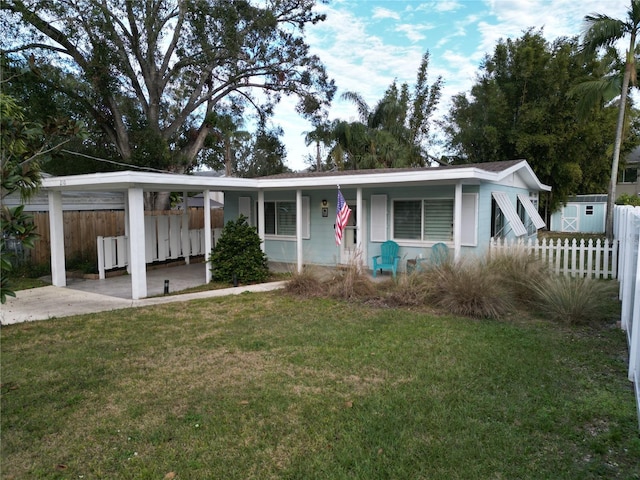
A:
x,y
570,218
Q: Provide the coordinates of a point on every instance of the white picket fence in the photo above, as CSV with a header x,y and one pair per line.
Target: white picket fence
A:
x,y
167,238
593,258
627,231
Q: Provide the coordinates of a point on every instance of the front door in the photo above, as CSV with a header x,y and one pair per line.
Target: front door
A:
x,y
349,246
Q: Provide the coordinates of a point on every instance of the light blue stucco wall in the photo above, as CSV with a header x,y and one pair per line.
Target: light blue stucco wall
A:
x,y
321,249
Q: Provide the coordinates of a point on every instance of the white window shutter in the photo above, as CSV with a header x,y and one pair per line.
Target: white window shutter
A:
x,y
306,217
244,208
510,213
469,234
378,218
532,211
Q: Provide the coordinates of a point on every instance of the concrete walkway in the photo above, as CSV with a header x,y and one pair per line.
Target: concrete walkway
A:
x,y
92,296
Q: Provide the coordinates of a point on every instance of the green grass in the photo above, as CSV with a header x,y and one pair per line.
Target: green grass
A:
x,y
269,386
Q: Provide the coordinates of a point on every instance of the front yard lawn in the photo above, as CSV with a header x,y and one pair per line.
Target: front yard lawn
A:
x,y
267,386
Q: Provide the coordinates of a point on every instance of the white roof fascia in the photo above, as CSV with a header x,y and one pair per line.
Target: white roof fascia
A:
x,y
144,180
510,213
404,177
178,182
532,211
529,171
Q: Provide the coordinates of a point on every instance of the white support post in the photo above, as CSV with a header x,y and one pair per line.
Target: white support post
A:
x,y
56,234
137,255
299,229
457,222
184,231
100,247
207,237
127,233
359,219
260,219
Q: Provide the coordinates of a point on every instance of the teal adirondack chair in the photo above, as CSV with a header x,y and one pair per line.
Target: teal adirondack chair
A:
x,y
388,258
439,254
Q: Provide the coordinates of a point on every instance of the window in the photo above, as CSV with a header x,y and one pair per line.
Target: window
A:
x,y
423,220
280,218
497,220
588,210
629,175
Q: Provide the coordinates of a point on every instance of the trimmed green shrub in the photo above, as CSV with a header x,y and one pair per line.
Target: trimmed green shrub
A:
x,y
237,254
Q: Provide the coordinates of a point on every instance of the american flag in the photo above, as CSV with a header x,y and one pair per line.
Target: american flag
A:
x,y
342,217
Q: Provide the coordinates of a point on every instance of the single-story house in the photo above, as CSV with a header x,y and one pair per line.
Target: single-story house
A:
x,y
581,213
462,206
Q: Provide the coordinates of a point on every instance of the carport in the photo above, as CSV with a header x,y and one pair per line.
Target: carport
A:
x,y
134,185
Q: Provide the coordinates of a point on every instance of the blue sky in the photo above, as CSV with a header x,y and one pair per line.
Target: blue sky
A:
x,y
366,44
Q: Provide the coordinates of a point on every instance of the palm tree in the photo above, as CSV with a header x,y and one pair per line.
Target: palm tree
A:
x,y
604,31
321,134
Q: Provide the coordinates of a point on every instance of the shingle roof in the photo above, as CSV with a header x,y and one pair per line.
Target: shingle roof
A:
x,y
487,166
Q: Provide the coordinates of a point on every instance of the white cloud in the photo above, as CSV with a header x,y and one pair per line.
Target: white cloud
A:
x,y
413,32
447,6
380,12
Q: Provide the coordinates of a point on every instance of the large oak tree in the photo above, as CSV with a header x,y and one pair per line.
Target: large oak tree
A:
x,y
153,73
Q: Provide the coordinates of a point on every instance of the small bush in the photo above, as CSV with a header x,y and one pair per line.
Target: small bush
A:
x,y
574,300
468,288
237,254
628,199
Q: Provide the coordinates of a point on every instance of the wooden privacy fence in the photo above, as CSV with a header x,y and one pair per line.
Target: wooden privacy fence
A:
x,y
82,228
627,230
594,259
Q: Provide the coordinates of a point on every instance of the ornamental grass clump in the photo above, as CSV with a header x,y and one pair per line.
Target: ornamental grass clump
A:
x,y
413,289
469,288
518,270
305,284
351,282
578,300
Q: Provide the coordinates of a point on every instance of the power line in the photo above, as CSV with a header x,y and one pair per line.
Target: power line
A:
x,y
128,165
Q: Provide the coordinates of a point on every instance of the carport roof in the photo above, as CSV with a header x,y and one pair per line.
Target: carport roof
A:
x,y
114,181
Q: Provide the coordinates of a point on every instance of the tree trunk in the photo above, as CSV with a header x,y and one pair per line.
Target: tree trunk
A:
x,y
318,157
611,197
157,201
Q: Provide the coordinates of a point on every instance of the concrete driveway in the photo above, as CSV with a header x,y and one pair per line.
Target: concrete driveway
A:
x,y
54,302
